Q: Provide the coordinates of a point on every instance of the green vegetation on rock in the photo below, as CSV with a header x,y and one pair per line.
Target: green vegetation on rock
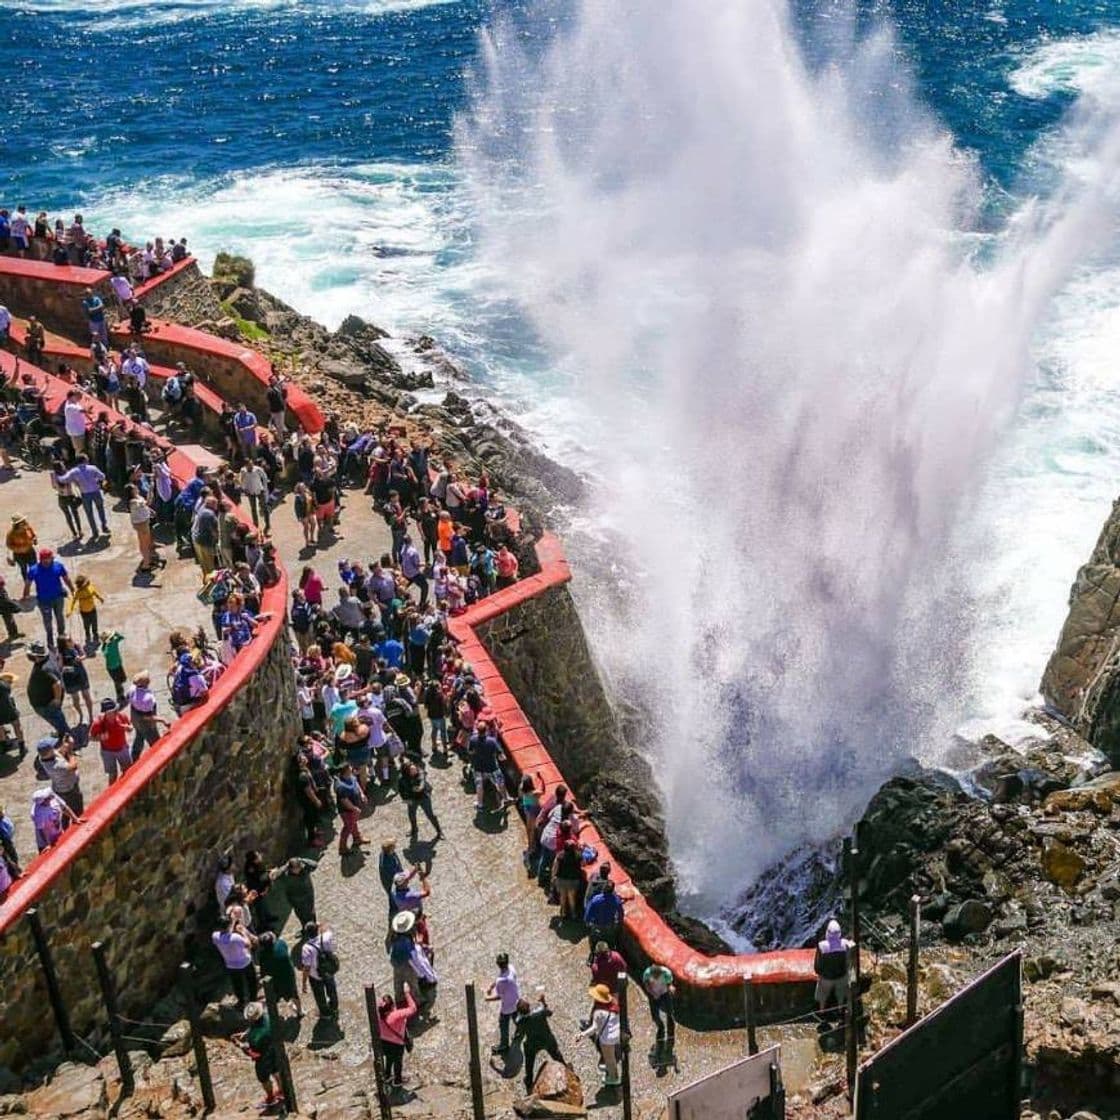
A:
x,y
239,271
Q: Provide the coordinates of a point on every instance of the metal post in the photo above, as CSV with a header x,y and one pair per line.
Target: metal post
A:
x,y
278,1046
777,1093
852,1041
477,1108
384,1108
853,879
912,961
109,995
198,1043
54,993
752,1016
624,1045
1015,1088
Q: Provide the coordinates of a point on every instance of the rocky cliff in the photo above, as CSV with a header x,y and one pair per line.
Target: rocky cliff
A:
x,y
1082,679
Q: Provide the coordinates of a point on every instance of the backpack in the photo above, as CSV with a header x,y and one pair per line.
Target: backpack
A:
x,y
181,686
329,963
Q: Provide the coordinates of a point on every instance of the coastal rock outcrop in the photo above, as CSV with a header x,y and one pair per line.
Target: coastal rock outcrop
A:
x,y
1082,678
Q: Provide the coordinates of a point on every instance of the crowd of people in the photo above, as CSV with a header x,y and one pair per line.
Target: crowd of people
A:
x,y
74,243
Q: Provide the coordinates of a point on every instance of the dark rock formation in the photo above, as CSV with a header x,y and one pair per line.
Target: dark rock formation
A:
x,y
1082,679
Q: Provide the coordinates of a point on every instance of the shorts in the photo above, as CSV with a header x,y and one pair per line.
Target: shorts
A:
x,y
567,884
325,511
826,989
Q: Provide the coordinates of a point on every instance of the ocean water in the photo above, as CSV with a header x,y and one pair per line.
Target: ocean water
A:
x,y
332,142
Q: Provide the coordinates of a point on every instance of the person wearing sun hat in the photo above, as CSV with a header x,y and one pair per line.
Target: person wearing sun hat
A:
x,y
111,730
256,1041
21,541
604,1029
402,940
44,689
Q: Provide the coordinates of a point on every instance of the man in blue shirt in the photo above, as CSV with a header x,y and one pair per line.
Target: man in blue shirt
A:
x,y
245,424
391,651
94,307
602,914
184,504
412,568
88,480
486,757
52,582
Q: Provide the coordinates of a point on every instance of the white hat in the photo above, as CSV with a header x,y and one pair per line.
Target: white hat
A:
x,y
341,672
404,922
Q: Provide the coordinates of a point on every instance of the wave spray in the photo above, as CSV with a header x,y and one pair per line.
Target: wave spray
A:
x,y
765,274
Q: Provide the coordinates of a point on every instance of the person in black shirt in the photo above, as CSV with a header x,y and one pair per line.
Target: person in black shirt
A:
x,y
532,1030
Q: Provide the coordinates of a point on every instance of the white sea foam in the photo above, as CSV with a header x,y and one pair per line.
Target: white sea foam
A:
x,y
1077,64
759,274
113,16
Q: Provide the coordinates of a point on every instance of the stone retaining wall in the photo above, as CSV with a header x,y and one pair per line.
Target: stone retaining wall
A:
x,y
139,869
52,292
182,295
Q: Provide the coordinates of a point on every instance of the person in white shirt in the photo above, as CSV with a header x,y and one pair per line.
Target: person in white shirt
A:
x,y
254,484
137,368
235,946
21,230
75,420
122,289
318,942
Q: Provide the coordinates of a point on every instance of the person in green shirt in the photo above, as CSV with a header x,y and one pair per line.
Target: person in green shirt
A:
x,y
658,983
256,1041
275,960
114,663
294,878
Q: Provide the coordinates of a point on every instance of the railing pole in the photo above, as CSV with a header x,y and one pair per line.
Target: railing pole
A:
x,y
624,1044
384,1108
198,1042
912,961
278,1046
477,1107
109,995
749,999
54,993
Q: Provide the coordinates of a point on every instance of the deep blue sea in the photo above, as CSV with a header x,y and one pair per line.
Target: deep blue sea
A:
x,y
319,137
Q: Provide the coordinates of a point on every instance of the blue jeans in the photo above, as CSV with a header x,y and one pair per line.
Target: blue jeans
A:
x,y
93,501
55,716
52,613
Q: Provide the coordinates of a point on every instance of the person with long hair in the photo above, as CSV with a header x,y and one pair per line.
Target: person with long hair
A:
x,y
392,1026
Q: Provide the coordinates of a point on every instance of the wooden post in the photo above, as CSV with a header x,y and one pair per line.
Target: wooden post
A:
x,y
777,1093
54,993
477,1108
852,1041
109,995
198,1043
749,999
912,961
278,1046
853,879
624,1046
384,1108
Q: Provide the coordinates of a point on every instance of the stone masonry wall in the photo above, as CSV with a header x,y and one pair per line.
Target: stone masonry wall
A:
x,y
184,297
143,881
57,304
541,650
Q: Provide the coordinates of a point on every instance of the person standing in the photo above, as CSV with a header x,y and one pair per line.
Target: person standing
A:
x,y
392,1028
114,663
86,598
90,480
277,395
44,689
8,612
657,982
603,914
320,965
506,992
245,428
60,764
21,542
147,724
416,792
36,341
254,485
204,535
94,307
52,581
831,963
605,1031
349,798
75,420
275,961
294,879
6,329
110,729
235,945
533,1031
256,1041
9,715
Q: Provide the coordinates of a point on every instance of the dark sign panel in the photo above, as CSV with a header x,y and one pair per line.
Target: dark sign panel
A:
x,y
960,1063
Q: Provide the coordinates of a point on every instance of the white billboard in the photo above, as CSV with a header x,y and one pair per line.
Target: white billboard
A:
x,y
730,1094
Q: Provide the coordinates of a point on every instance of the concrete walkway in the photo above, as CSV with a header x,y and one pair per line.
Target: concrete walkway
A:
x,y
481,904
144,608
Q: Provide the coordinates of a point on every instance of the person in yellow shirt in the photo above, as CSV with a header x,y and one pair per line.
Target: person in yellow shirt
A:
x,y
21,542
86,598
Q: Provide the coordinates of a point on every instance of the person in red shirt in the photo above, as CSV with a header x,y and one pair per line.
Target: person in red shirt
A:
x,y
111,730
606,966
507,567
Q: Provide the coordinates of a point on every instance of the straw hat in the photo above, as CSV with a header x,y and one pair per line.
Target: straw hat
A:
x,y
404,922
600,993
341,672
9,679
17,518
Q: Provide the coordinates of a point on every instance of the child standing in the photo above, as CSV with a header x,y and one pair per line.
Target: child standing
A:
x,y
75,679
86,598
114,663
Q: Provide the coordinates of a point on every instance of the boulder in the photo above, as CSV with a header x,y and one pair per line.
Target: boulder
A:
x,y
970,916
1098,795
1061,864
176,1040
885,1001
244,303
74,1090
348,372
557,1091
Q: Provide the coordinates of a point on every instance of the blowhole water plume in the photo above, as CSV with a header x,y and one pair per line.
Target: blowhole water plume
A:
x,y
767,279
